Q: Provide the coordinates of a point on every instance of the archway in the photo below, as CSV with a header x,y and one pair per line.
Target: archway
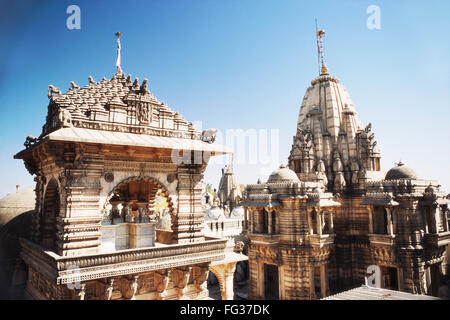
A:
x,y
50,211
141,200
138,197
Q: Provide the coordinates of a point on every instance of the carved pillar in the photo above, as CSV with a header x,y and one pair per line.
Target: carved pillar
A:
x,y
134,285
269,218
277,222
245,219
330,213
161,282
390,226
201,276
310,226
319,221
312,286
187,226
180,278
369,209
109,289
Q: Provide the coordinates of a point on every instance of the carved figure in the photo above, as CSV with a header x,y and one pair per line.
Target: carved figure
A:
x,y
209,135
53,90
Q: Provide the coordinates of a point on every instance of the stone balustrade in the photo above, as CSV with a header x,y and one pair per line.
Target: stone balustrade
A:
x,y
63,270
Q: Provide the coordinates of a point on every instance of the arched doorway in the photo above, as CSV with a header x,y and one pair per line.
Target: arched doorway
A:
x,y
133,208
49,213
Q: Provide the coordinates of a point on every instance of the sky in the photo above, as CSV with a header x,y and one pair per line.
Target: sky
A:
x,y
238,65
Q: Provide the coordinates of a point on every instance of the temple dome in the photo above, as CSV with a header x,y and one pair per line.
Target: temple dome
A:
x,y
400,171
214,213
283,174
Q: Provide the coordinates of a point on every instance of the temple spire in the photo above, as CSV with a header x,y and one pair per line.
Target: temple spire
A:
x,y
322,66
119,70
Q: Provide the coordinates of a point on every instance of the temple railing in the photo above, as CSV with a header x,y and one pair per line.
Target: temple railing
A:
x,y
124,262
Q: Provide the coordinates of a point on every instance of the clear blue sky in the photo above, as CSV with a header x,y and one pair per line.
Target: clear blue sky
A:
x,y
238,64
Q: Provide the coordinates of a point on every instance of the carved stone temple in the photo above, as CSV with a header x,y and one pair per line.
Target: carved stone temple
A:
x,y
317,225
107,151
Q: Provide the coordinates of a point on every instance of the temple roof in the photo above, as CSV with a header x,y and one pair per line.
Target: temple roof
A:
x,y
116,104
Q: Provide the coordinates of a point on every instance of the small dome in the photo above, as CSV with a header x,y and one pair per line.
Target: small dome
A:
x,y
400,171
283,174
215,213
237,212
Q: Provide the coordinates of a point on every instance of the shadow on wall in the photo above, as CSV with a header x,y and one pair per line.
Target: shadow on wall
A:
x,y
12,273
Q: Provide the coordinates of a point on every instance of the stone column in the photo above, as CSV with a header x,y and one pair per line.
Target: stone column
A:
x,y
331,221
225,274
323,280
269,222
312,286
319,221
369,209
187,226
390,227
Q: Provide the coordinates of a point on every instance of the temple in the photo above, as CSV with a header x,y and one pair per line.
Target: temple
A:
x,y
318,224
111,161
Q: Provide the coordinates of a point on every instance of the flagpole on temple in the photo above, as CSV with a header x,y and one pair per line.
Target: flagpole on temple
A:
x,y
119,70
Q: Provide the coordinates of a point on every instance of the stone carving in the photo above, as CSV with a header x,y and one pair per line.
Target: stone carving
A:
x,y
134,287
53,90
161,281
201,277
209,135
180,278
239,247
29,141
136,84
321,173
64,118
82,293
108,176
144,86
144,112
109,289
74,86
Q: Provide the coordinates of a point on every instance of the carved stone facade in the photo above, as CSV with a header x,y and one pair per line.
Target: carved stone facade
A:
x,y
396,221
106,151
291,228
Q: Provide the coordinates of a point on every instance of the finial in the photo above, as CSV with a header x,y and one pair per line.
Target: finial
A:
x,y
322,66
399,164
118,34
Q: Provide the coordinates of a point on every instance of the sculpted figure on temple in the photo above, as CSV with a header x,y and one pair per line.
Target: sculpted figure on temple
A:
x,y
144,86
74,86
354,167
109,289
321,174
339,182
209,135
64,118
337,164
91,80
53,90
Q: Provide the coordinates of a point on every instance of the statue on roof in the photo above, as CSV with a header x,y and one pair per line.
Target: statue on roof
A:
x,y
52,89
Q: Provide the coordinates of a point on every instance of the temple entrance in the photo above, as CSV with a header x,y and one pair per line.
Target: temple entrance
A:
x,y
389,278
50,211
271,286
435,277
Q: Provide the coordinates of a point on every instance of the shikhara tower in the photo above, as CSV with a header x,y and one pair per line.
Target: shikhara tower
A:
x,y
317,226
